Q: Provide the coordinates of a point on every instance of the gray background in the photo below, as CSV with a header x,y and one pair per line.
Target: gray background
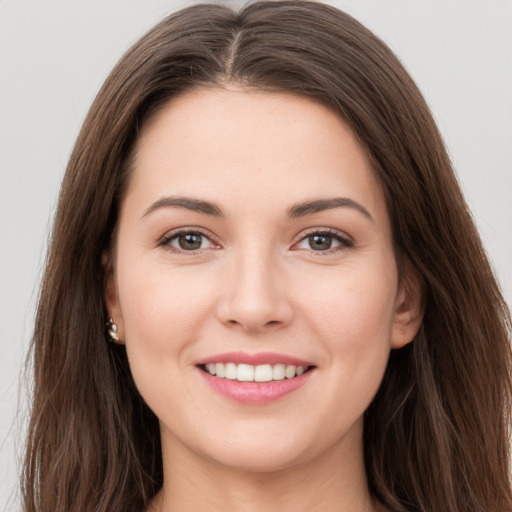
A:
x,y
54,55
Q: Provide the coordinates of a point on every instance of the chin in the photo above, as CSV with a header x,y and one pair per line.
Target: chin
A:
x,y
268,452
255,460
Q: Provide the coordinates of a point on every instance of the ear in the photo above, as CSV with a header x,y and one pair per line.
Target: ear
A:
x,y
111,295
409,308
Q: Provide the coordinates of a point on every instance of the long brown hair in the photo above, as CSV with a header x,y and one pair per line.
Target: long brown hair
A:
x,y
436,434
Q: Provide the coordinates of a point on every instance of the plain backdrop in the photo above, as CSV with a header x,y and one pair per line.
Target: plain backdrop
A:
x,y
54,55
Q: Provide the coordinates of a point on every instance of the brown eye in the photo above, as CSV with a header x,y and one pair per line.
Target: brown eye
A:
x,y
190,241
320,242
187,241
324,241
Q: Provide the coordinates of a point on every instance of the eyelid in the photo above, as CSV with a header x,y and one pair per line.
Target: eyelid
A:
x,y
345,240
164,241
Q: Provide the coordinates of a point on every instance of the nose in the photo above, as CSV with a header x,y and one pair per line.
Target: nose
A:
x,y
255,296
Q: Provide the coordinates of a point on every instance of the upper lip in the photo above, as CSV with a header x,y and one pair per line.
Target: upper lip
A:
x,y
254,359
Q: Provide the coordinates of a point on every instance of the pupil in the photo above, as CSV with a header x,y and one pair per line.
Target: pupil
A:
x,y
190,242
320,242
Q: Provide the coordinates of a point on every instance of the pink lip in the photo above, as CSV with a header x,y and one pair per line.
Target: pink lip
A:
x,y
254,359
254,392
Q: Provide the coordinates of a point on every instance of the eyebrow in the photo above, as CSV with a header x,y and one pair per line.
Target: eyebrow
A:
x,y
319,205
189,203
296,211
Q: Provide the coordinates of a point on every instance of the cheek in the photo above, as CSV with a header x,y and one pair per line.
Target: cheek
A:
x,y
158,297
354,308
352,317
163,311
358,343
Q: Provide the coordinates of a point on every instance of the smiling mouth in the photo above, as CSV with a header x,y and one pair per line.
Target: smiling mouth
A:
x,y
254,373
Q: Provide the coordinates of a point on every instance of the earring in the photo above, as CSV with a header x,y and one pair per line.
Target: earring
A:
x,y
112,331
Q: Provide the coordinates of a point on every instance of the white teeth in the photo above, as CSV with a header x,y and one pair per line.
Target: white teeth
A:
x,y
278,372
250,373
231,372
263,373
245,373
289,371
220,370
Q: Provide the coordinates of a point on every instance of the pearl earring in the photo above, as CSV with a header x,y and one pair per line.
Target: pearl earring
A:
x,y
112,331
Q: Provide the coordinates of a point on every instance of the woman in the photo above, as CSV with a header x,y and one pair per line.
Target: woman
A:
x,y
264,288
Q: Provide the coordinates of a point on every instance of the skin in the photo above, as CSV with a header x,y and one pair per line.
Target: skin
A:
x,y
257,284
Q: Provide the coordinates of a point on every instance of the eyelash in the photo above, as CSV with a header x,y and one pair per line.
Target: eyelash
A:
x,y
344,241
166,240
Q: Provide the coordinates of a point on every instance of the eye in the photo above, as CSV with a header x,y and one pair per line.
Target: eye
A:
x,y
323,241
187,241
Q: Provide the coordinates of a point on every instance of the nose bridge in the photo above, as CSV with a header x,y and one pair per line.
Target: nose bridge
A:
x,y
256,298
255,277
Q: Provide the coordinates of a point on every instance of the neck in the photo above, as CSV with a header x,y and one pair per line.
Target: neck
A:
x,y
332,481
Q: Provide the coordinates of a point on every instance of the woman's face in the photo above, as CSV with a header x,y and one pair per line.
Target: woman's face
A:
x,y
254,244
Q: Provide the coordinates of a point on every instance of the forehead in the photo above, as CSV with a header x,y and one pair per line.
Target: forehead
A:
x,y
228,144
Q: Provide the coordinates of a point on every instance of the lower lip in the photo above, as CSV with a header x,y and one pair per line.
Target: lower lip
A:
x,y
255,392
